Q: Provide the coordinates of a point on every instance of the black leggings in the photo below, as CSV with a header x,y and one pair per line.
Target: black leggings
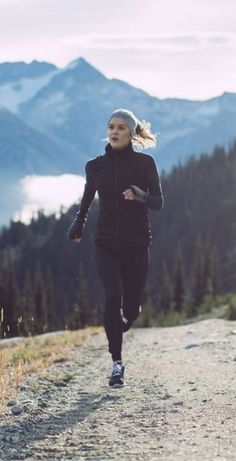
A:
x,y
124,275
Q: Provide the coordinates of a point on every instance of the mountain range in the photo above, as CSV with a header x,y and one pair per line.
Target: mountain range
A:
x,y
52,120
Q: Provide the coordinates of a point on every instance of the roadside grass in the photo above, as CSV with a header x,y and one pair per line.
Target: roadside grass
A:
x,y
34,354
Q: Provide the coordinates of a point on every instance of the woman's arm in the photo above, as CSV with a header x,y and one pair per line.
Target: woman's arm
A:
x,y
154,198
75,230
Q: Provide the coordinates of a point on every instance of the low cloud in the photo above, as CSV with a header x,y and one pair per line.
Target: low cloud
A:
x,y
48,193
157,42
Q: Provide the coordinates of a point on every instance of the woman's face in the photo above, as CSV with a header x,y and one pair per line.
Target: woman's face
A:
x,y
118,133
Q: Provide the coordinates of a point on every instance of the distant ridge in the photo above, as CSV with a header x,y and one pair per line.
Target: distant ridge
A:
x,y
54,119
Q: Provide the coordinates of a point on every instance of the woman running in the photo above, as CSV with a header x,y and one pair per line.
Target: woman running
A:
x,y
128,184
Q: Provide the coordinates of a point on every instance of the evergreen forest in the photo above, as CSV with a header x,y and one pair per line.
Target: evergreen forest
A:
x,y
49,283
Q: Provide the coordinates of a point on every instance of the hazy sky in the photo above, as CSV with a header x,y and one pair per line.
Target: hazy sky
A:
x,y
170,48
178,48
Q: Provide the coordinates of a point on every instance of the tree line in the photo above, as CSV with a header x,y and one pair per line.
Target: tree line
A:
x,y
48,283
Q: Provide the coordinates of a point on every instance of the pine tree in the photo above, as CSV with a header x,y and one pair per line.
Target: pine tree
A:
x,y
215,274
28,305
41,314
165,290
10,297
198,290
83,297
50,300
67,316
208,300
179,289
80,312
211,273
148,316
94,314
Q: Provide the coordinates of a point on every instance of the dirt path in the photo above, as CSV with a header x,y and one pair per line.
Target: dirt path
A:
x,y
179,402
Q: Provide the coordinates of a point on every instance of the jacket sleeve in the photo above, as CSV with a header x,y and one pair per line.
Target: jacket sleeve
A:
x,y
88,194
76,228
154,197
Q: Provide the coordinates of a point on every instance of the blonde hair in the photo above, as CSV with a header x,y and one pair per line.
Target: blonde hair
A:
x,y
143,136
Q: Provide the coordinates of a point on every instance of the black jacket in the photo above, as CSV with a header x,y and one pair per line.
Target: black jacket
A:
x,y
122,224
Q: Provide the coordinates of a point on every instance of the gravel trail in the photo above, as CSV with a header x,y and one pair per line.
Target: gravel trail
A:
x,y
179,402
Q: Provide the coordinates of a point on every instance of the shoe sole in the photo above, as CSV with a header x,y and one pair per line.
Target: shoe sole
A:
x,y
116,385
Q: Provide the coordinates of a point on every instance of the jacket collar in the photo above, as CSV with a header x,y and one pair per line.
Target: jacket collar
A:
x,y
121,152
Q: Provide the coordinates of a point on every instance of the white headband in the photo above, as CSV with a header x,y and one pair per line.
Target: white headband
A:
x,y
128,117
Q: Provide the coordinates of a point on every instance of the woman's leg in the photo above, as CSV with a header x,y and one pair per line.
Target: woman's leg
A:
x,y
134,267
109,270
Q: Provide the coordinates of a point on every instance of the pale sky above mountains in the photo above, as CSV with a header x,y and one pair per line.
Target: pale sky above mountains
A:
x,y
169,48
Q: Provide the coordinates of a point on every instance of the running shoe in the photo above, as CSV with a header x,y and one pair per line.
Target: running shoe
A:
x,y
117,376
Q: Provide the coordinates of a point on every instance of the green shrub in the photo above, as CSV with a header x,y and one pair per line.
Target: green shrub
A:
x,y
231,311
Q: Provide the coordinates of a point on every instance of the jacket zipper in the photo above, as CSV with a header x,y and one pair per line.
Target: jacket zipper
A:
x,y
117,203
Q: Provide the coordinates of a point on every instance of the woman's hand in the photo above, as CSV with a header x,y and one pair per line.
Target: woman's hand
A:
x,y
75,231
128,194
135,193
76,240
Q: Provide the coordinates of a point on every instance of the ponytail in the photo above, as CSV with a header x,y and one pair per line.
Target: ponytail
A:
x,y
143,136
